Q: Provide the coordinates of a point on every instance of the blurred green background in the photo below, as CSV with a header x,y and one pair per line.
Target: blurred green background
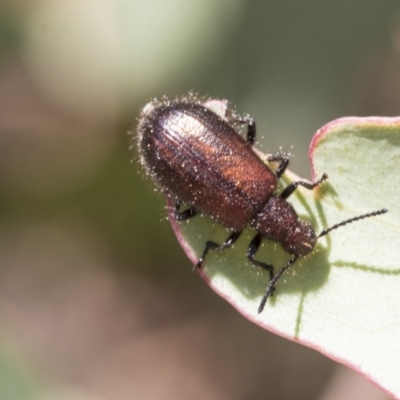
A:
x,y
97,300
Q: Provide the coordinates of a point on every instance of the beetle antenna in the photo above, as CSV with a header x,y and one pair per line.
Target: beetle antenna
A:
x,y
271,286
350,220
272,282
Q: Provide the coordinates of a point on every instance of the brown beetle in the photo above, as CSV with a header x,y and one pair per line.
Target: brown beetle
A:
x,y
196,156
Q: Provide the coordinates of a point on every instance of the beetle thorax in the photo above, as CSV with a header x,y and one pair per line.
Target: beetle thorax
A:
x,y
279,221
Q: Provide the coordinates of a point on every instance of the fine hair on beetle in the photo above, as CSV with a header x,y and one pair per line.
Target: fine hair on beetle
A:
x,y
191,148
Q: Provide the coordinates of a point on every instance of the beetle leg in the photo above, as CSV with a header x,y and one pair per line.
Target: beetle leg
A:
x,y
251,252
215,246
283,159
271,286
182,215
251,131
308,185
251,127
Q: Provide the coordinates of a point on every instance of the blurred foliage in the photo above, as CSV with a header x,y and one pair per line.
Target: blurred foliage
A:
x,y
10,31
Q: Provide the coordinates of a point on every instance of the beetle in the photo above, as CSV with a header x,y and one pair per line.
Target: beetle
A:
x,y
197,156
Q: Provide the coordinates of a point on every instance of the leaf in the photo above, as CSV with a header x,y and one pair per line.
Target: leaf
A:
x,y
344,298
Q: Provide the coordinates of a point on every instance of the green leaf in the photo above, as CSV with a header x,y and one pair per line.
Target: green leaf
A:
x,y
344,298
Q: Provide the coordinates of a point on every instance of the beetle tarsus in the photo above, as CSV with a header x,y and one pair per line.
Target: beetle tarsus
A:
x,y
210,245
306,184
